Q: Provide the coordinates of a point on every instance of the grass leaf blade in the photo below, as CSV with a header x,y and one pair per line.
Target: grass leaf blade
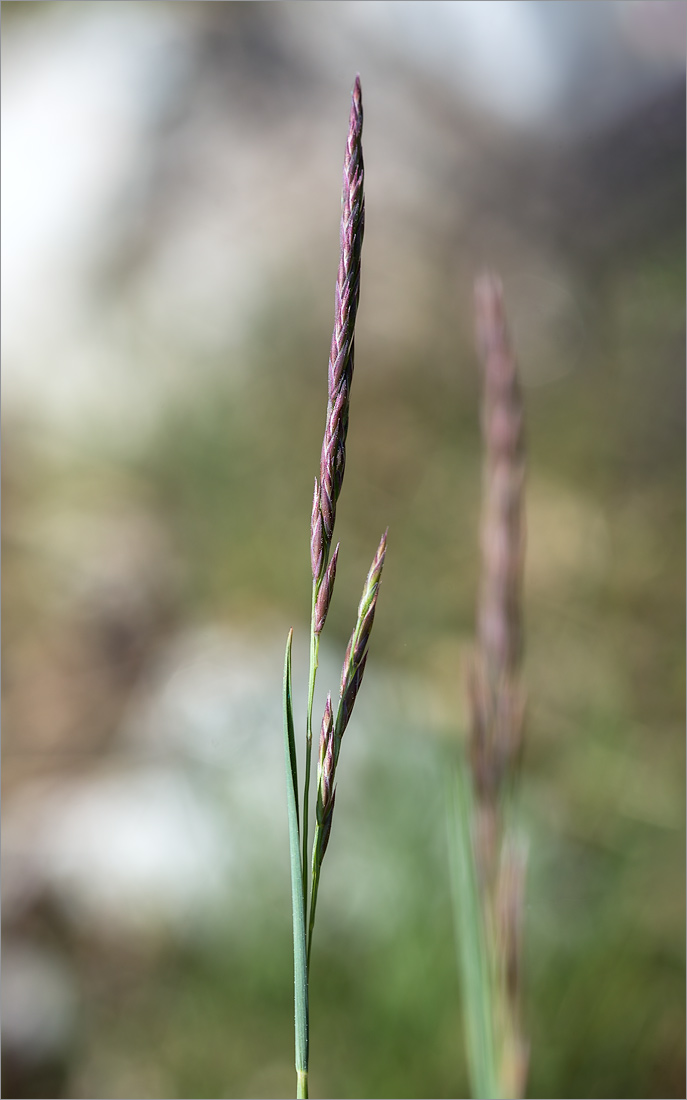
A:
x,y
297,899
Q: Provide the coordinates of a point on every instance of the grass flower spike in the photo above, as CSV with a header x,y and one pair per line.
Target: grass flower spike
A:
x,y
356,653
488,861
496,700
323,563
340,373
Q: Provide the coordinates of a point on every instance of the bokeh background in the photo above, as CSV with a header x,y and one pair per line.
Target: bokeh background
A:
x,y
170,209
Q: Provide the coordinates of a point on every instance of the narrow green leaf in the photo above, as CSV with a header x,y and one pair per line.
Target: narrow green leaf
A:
x,y
291,761
473,956
298,903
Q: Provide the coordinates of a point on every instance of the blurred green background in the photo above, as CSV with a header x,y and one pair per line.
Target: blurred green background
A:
x,y
171,182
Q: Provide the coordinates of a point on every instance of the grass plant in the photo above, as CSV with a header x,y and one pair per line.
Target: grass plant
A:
x,y
487,858
307,856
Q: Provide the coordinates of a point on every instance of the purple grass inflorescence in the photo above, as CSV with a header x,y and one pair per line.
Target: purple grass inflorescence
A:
x,y
340,374
496,697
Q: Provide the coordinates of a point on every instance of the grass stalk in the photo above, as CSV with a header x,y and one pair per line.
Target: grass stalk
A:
x,y
481,826
474,960
323,563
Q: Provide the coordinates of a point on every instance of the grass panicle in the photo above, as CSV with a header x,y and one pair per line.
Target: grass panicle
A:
x,y
496,713
323,564
341,355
